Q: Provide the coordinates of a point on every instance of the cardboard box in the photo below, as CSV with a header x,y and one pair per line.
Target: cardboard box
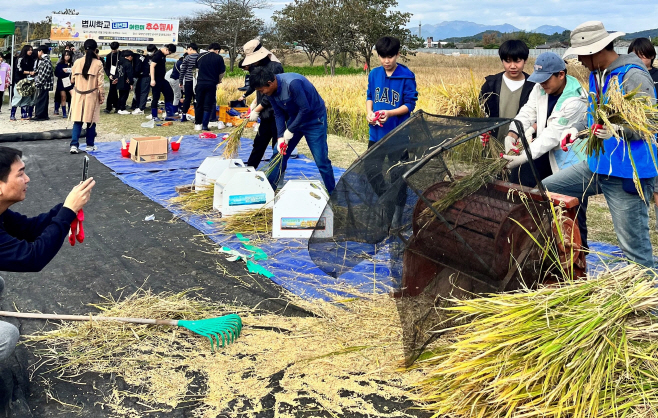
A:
x,y
149,149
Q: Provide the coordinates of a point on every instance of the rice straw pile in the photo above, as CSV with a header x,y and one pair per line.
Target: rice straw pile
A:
x,y
232,143
587,349
341,361
197,202
250,222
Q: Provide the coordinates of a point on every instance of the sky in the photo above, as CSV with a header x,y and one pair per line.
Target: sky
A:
x,y
627,16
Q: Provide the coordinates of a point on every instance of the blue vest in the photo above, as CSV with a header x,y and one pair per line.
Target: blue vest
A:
x,y
615,160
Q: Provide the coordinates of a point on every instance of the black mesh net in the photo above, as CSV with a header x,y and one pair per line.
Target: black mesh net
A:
x,y
482,243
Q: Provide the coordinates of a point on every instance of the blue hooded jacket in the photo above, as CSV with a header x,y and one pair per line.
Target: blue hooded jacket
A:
x,y
388,93
296,103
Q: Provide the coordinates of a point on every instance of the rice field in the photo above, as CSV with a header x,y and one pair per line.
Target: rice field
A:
x,y
446,85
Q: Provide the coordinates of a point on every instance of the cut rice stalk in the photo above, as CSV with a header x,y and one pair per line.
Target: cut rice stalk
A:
x,y
250,222
232,143
197,202
584,349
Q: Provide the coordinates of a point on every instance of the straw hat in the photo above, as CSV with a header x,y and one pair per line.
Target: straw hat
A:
x,y
254,51
589,38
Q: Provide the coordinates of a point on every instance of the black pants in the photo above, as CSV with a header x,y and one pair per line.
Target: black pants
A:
x,y
41,104
123,98
206,97
266,134
142,87
188,88
163,87
112,97
2,97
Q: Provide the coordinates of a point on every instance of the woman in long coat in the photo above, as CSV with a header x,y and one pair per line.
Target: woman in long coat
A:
x,y
87,96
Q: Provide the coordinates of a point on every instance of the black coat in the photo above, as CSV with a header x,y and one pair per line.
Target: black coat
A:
x,y
124,74
490,95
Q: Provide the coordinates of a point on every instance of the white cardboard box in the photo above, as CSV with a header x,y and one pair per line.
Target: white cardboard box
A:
x,y
298,211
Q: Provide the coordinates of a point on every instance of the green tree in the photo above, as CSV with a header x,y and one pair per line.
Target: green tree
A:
x,y
369,20
296,24
232,23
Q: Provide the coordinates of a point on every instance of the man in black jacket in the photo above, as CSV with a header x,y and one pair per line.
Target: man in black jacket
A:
x,y
29,244
257,56
505,93
159,85
125,80
494,93
211,69
143,83
111,65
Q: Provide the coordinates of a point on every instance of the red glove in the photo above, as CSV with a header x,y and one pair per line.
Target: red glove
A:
x,y
77,230
485,138
596,127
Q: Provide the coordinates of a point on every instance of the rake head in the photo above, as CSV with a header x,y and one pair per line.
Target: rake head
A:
x,y
225,329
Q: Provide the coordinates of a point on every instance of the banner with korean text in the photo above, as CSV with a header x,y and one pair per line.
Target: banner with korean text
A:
x,y
77,28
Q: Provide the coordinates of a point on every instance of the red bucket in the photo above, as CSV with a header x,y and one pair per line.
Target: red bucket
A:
x,y
175,146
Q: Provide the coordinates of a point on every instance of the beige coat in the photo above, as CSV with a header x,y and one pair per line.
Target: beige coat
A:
x,y
87,107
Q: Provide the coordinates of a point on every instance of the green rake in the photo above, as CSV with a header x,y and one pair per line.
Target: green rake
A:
x,y
224,329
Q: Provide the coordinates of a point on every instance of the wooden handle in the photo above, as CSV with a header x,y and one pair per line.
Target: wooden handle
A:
x,y
170,322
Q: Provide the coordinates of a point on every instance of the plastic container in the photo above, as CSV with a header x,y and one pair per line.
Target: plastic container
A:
x,y
125,153
213,167
298,211
175,146
241,189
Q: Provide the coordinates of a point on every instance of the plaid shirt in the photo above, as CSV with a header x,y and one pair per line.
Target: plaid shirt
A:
x,y
43,76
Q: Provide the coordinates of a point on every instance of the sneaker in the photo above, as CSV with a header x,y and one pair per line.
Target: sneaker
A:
x,y
220,125
91,148
74,149
197,127
123,112
138,112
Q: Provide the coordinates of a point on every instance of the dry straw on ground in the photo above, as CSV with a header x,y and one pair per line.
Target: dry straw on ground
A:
x,y
342,357
198,202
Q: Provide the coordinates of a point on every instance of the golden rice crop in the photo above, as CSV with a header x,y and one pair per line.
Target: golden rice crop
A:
x,y
446,85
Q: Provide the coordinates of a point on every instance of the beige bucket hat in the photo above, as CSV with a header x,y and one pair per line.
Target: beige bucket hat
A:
x,y
254,51
589,38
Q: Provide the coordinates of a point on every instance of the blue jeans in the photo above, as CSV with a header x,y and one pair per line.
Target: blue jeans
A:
x,y
77,130
630,214
316,138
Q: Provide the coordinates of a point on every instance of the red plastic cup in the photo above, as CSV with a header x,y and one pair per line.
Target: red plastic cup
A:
x,y
125,153
175,146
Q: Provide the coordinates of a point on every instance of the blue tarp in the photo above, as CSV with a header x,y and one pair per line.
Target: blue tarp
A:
x,y
288,259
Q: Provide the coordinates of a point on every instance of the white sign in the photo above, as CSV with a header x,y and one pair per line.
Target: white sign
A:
x,y
77,28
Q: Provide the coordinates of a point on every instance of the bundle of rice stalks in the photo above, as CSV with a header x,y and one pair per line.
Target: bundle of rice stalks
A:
x,y
250,222
629,110
274,164
586,349
232,143
196,202
484,172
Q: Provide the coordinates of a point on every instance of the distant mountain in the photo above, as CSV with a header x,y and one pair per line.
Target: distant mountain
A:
x,y
651,33
549,29
459,29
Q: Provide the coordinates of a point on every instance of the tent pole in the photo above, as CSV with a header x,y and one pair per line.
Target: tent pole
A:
x,y
13,50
